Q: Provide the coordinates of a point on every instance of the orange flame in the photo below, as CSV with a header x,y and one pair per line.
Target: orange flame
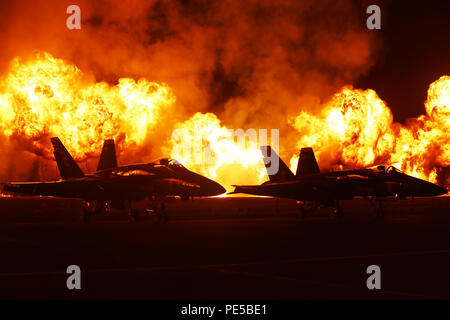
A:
x,y
46,96
438,101
356,129
204,145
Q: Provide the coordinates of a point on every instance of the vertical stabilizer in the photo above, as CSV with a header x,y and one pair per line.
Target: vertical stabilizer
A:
x,y
108,158
277,170
307,163
67,166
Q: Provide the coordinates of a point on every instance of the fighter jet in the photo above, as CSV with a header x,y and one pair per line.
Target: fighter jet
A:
x,y
117,186
312,189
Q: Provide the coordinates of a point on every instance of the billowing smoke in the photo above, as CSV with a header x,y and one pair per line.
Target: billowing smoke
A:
x,y
252,63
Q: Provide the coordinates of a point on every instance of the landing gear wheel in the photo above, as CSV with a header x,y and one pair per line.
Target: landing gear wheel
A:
x,y
300,213
107,207
165,217
84,215
303,213
164,212
162,218
379,212
304,209
339,212
337,209
161,213
134,215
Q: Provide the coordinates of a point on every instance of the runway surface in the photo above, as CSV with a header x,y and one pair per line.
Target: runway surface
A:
x,y
262,253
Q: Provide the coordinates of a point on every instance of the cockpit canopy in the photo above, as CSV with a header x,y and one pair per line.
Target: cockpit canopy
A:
x,y
132,172
171,163
386,169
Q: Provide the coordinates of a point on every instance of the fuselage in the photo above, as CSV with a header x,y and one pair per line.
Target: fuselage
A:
x,y
133,182
345,185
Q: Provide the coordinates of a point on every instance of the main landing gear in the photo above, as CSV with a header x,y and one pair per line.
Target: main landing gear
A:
x,y
90,208
305,208
377,204
337,209
379,210
133,213
309,207
157,208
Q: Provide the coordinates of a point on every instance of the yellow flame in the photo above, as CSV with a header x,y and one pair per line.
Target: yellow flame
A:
x,y
438,101
356,129
202,144
46,96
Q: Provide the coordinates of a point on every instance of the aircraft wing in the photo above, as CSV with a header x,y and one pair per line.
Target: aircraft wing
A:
x,y
309,189
244,189
64,188
118,187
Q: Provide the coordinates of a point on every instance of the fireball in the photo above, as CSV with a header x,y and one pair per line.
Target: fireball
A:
x,y
203,144
46,96
355,129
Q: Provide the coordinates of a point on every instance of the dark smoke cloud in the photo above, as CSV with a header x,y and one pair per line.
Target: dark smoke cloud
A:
x,y
254,63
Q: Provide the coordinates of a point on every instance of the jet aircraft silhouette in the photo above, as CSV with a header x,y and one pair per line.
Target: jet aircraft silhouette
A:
x,y
312,189
118,186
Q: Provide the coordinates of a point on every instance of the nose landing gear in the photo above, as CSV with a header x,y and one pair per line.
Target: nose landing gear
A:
x,y
338,210
379,210
161,213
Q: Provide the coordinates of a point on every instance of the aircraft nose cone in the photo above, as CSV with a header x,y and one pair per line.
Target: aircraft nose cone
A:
x,y
426,189
435,190
440,191
212,188
218,189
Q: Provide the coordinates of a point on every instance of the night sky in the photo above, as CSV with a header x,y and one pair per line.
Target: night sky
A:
x,y
416,52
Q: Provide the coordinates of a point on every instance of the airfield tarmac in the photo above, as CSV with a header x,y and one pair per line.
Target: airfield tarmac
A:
x,y
226,248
